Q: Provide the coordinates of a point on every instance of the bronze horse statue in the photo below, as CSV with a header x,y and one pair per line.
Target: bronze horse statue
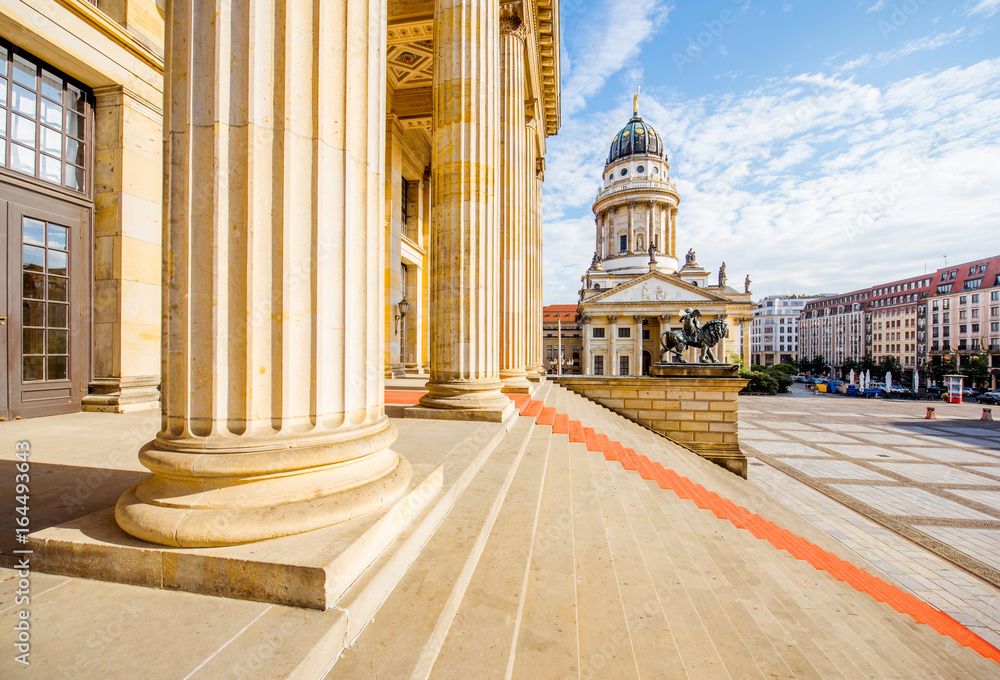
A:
x,y
703,338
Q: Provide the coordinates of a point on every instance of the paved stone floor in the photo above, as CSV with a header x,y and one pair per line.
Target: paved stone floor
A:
x,y
918,498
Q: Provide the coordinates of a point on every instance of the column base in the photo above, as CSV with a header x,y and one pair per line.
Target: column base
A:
x,y
463,400
123,395
465,414
312,570
515,382
536,374
203,497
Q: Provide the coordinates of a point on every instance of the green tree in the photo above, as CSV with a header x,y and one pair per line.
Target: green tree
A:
x,y
817,364
977,370
938,367
891,365
867,363
785,368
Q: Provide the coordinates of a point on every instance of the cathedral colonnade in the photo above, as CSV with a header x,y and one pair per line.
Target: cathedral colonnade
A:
x,y
270,208
273,347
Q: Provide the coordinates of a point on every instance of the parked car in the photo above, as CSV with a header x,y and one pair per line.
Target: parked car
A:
x,y
969,392
799,379
991,398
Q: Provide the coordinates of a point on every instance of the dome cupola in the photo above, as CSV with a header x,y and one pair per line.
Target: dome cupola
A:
x,y
635,139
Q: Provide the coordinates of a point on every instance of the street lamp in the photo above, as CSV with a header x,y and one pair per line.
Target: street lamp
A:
x,y
402,307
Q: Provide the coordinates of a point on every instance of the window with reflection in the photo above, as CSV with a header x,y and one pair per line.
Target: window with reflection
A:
x,y
44,301
44,121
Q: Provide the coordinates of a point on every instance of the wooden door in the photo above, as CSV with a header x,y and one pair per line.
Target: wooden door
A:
x,y
48,303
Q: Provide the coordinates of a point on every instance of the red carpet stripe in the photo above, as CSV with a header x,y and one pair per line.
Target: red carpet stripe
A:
x,y
780,538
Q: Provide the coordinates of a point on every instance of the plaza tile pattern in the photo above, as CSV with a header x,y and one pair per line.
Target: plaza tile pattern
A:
x,y
939,485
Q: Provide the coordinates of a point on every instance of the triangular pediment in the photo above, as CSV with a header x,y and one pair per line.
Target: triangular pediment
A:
x,y
656,287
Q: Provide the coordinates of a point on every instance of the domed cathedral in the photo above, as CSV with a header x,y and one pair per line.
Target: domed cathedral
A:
x,y
635,289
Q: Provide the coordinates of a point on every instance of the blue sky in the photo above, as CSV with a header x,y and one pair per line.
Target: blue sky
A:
x,y
817,146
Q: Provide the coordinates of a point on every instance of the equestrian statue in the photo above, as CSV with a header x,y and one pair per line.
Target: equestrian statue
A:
x,y
703,338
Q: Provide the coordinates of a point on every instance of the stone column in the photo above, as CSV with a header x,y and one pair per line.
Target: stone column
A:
x,y
673,231
514,186
425,275
649,225
273,419
535,349
631,226
613,344
465,259
599,246
664,326
588,363
637,368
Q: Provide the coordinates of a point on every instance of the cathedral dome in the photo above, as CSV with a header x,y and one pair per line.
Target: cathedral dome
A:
x,y
635,139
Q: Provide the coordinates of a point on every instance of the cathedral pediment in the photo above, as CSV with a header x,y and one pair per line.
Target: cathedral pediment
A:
x,y
656,287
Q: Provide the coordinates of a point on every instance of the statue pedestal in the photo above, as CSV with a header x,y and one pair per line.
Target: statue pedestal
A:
x,y
694,371
696,405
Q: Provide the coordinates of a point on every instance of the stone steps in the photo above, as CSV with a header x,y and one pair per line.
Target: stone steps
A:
x,y
590,547
410,626
806,598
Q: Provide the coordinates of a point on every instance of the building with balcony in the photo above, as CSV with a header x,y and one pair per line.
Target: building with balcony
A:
x,y
963,313
774,331
562,339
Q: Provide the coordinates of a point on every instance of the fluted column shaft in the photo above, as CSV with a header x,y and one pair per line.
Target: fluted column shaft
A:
x,y
673,232
637,347
631,227
515,207
465,239
272,399
535,353
587,361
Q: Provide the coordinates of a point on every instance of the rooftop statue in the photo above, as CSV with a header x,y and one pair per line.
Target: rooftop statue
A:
x,y
689,258
722,275
703,338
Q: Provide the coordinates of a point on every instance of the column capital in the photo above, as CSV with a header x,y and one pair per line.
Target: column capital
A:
x,y
612,318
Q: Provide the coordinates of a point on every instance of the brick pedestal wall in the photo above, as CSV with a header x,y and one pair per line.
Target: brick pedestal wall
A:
x,y
699,412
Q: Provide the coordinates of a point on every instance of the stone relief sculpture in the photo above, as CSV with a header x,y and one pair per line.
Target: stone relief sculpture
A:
x,y
703,338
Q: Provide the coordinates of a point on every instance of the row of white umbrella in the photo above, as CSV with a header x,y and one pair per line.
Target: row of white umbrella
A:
x,y
864,380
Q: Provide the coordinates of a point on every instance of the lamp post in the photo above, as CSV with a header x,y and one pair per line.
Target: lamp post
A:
x,y
402,307
559,353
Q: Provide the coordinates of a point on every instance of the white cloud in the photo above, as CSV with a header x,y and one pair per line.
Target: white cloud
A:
x,y
930,42
985,7
814,182
613,39
876,7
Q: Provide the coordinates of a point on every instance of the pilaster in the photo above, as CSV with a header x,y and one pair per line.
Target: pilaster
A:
x,y
128,181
